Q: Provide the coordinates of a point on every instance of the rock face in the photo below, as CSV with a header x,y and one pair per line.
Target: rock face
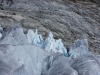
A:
x,y
97,1
67,20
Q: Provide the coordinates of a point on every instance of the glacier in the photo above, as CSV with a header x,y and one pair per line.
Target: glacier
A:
x,y
1,30
49,44
12,35
30,54
79,48
35,38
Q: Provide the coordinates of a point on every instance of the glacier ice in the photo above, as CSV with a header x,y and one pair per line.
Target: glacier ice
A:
x,y
14,35
53,45
87,64
49,44
60,47
29,54
0,35
79,48
57,64
34,38
21,59
1,29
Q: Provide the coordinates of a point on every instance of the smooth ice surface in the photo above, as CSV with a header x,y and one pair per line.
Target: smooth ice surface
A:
x,y
79,48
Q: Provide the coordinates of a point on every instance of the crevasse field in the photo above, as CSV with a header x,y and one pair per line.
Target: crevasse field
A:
x,y
30,54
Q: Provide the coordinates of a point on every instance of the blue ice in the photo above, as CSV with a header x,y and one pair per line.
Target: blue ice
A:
x,y
79,48
49,44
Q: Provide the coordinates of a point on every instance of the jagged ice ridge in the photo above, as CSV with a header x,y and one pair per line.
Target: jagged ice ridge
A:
x,y
29,54
80,47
